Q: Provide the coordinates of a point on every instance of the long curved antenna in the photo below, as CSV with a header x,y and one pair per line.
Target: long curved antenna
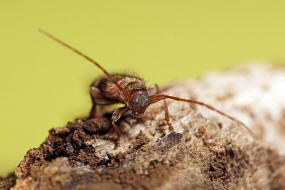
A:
x,y
89,59
157,98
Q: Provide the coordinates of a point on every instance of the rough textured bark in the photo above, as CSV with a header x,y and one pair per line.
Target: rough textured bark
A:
x,y
206,151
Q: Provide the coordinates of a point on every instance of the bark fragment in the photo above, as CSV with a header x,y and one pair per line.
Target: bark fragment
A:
x,y
206,151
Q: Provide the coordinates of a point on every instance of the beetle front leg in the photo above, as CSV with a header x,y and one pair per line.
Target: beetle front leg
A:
x,y
117,114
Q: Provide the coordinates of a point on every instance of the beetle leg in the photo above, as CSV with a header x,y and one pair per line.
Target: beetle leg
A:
x,y
92,112
167,116
117,114
153,90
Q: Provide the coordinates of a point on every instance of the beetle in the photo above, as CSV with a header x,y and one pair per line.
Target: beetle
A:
x,y
132,92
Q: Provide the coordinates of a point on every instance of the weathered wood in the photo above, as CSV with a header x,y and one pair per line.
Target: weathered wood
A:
x,y
206,151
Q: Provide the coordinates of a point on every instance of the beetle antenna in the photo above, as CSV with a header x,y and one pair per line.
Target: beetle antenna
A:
x,y
89,59
157,98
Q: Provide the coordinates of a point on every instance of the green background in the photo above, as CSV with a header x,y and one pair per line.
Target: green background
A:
x,y
43,85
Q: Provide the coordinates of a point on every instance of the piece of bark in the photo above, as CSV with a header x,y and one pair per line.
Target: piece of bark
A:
x,y
8,182
206,151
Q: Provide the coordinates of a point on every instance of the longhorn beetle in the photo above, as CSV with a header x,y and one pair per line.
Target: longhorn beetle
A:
x,y
132,92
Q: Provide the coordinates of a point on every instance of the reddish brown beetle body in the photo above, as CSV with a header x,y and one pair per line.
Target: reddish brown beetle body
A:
x,y
132,92
105,92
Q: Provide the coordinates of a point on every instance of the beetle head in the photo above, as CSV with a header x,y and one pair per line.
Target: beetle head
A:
x,y
140,101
